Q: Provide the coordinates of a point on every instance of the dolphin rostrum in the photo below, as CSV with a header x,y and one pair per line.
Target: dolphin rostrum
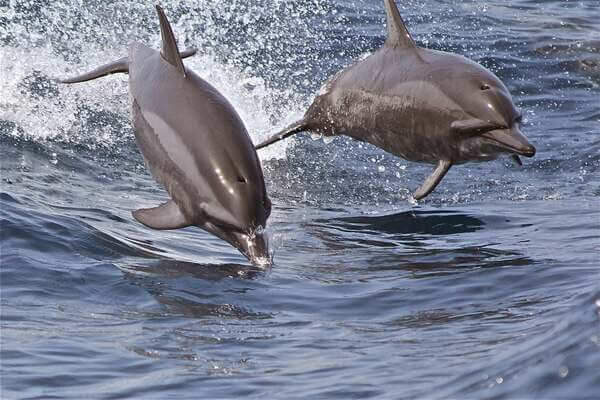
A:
x,y
420,104
195,145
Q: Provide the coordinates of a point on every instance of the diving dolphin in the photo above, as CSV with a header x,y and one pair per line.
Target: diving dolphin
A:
x,y
420,104
195,145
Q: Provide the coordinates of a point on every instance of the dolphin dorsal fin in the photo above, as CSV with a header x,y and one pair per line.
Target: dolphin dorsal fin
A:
x,y
169,51
398,35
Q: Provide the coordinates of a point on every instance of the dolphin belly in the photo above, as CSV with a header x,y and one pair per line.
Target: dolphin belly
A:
x,y
164,170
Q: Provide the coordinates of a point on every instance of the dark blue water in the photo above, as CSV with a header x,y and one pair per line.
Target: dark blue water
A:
x,y
490,288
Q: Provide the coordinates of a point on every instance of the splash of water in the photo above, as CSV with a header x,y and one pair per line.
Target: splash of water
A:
x,y
237,54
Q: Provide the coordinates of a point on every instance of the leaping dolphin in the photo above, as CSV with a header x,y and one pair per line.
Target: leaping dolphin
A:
x,y
196,146
420,104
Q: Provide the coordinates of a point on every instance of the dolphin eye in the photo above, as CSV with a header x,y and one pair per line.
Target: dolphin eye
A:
x,y
241,179
485,86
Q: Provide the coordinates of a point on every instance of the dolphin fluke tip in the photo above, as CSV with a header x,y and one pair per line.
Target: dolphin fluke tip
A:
x,y
73,79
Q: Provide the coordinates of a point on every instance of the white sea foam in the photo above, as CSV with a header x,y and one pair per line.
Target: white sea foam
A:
x,y
29,59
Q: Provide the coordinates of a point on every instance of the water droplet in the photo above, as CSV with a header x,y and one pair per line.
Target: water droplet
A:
x,y
499,380
381,168
563,372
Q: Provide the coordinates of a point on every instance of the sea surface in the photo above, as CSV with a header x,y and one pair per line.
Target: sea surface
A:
x,y
487,289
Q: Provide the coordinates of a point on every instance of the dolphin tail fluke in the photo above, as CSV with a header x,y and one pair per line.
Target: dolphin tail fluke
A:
x,y
292,129
165,216
169,51
121,65
188,53
433,180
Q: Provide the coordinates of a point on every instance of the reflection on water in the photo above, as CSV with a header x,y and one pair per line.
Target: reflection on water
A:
x,y
193,290
174,269
418,229
430,222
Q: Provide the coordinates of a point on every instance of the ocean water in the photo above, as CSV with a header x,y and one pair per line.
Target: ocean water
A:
x,y
488,288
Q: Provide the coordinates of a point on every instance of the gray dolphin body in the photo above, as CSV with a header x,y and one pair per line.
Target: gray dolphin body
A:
x,y
196,146
420,104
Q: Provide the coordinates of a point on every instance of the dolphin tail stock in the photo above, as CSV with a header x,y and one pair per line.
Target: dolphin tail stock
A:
x,y
433,180
119,66
290,130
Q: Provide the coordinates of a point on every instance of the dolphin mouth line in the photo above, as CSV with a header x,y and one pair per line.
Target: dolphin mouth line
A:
x,y
234,229
506,146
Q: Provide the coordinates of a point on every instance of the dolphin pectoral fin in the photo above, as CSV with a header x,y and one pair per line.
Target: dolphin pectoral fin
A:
x,y
433,180
294,128
169,52
121,65
165,216
517,160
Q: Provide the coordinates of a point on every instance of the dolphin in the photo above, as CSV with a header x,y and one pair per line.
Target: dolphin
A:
x,y
196,146
420,104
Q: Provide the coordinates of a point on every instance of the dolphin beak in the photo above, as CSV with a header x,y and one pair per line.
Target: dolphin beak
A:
x,y
255,247
512,140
